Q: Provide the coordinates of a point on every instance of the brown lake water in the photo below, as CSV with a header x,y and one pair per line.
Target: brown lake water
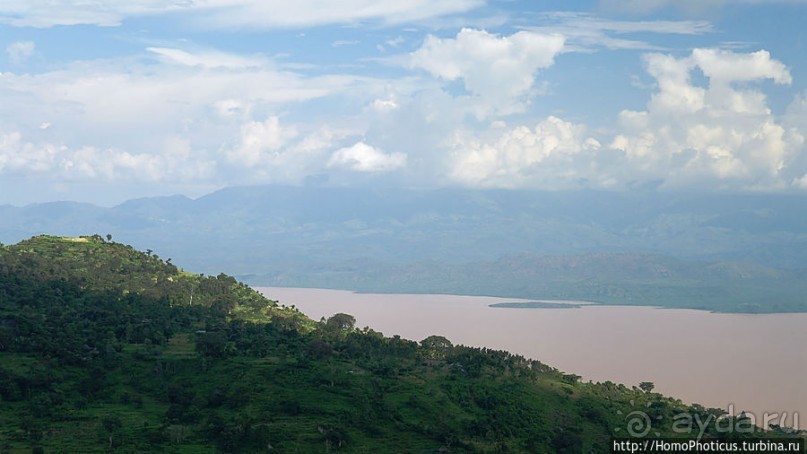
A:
x,y
756,363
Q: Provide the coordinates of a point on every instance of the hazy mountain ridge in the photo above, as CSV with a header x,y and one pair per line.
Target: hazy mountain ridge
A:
x,y
318,236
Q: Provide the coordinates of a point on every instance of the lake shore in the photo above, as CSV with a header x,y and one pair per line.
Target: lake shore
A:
x,y
735,362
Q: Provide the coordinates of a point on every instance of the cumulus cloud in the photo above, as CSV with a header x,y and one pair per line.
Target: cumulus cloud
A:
x,y
796,114
554,154
497,70
723,135
20,51
228,13
216,118
270,151
60,162
720,134
261,141
795,119
170,115
263,152
722,66
19,155
108,103
362,157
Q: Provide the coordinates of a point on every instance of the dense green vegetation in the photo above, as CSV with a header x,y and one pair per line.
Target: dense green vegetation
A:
x,y
106,348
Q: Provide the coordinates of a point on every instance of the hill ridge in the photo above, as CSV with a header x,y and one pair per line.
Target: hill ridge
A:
x,y
90,363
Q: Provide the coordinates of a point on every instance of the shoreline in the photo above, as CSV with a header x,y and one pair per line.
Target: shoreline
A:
x,y
675,349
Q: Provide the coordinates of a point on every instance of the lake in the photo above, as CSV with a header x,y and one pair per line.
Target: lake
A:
x,y
756,363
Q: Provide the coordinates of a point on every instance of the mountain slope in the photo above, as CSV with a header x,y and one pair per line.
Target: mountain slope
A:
x,y
102,348
310,224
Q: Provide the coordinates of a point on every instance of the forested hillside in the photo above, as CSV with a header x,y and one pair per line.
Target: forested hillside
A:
x,y
106,348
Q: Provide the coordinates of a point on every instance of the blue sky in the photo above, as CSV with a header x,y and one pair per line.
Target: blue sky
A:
x,y
105,101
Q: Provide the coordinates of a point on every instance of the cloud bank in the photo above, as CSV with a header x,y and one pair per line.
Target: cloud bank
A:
x,y
440,107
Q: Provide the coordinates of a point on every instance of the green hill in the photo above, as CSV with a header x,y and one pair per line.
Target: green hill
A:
x,y
106,348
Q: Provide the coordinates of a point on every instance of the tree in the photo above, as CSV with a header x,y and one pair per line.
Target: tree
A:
x,y
646,386
211,344
341,322
570,378
111,424
319,349
224,304
436,347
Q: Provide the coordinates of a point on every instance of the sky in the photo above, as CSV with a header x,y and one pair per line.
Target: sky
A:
x,y
106,101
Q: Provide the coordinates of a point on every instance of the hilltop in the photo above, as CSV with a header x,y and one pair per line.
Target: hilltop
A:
x,y
98,265
103,347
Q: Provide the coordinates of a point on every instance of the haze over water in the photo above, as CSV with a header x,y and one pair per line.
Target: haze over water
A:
x,y
755,363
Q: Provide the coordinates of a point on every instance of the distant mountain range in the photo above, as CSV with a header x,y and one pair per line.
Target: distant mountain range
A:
x,y
641,247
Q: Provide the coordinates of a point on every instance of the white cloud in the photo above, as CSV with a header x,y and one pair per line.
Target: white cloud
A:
x,y
362,157
498,71
168,117
689,6
344,42
676,95
228,13
586,31
20,51
554,154
796,114
795,120
111,103
722,66
646,6
278,13
721,135
801,183
233,108
214,118
208,59
261,142
385,105
395,42
18,155
271,152
60,162
45,13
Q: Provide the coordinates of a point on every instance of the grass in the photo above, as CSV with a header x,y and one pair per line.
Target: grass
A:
x,y
74,240
181,346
